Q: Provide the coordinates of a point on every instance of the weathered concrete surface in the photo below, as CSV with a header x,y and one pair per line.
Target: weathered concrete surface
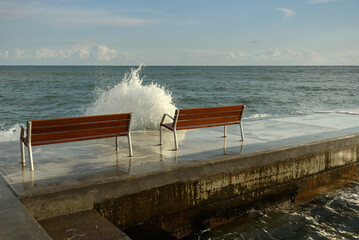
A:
x,y
15,221
324,182
268,178
87,225
279,158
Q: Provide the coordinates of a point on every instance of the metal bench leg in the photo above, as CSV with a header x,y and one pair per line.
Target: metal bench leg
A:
x,y
175,136
22,152
160,135
116,144
30,157
225,131
130,144
242,134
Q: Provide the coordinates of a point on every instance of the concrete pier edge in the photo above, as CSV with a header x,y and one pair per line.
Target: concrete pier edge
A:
x,y
16,221
240,182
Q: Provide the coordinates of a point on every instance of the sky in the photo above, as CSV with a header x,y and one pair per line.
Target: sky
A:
x,y
186,32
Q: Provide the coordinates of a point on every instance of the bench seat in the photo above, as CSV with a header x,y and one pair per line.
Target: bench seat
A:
x,y
62,130
193,118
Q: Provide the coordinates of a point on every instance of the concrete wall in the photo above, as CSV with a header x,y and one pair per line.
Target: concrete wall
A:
x,y
215,190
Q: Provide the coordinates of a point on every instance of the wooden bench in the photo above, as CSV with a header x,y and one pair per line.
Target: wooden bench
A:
x,y
51,131
192,118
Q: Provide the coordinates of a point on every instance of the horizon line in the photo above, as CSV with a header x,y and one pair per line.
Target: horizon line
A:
x,y
179,65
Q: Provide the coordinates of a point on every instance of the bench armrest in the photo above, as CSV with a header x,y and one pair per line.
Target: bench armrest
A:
x,y
22,132
164,116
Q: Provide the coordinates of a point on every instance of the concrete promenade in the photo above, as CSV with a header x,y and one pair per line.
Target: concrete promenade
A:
x,y
72,177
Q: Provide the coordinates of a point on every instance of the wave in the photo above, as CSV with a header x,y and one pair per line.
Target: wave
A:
x,y
348,112
258,116
147,102
11,134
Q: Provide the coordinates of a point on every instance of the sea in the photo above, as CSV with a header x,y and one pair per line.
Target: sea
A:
x,y
40,92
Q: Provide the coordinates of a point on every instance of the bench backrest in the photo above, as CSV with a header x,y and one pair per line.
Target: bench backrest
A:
x,y
61,130
208,117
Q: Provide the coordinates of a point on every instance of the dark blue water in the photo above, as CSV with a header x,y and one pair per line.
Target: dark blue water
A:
x,y
333,216
49,92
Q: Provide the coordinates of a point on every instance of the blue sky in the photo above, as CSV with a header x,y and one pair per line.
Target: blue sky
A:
x,y
228,32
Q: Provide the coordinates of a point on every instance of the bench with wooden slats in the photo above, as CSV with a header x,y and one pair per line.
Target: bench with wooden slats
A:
x,y
203,118
62,130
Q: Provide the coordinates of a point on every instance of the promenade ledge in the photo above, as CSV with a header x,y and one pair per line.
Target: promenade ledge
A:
x,y
208,181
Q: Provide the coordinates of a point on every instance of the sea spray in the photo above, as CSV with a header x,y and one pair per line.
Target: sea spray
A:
x,y
147,102
11,134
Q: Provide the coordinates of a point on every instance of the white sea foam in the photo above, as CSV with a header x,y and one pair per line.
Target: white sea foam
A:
x,y
345,111
256,116
11,134
353,112
147,102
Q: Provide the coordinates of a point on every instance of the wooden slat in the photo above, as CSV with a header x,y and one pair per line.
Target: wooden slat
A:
x,y
211,109
78,134
75,120
209,121
77,139
208,115
80,126
207,125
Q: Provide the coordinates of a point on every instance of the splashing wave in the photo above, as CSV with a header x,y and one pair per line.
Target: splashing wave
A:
x,y
147,102
11,134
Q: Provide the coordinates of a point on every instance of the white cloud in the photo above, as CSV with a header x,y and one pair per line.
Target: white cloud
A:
x,y
100,53
46,53
84,53
65,53
239,55
12,54
267,57
88,53
320,1
4,54
19,54
287,12
205,54
93,52
197,53
287,56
